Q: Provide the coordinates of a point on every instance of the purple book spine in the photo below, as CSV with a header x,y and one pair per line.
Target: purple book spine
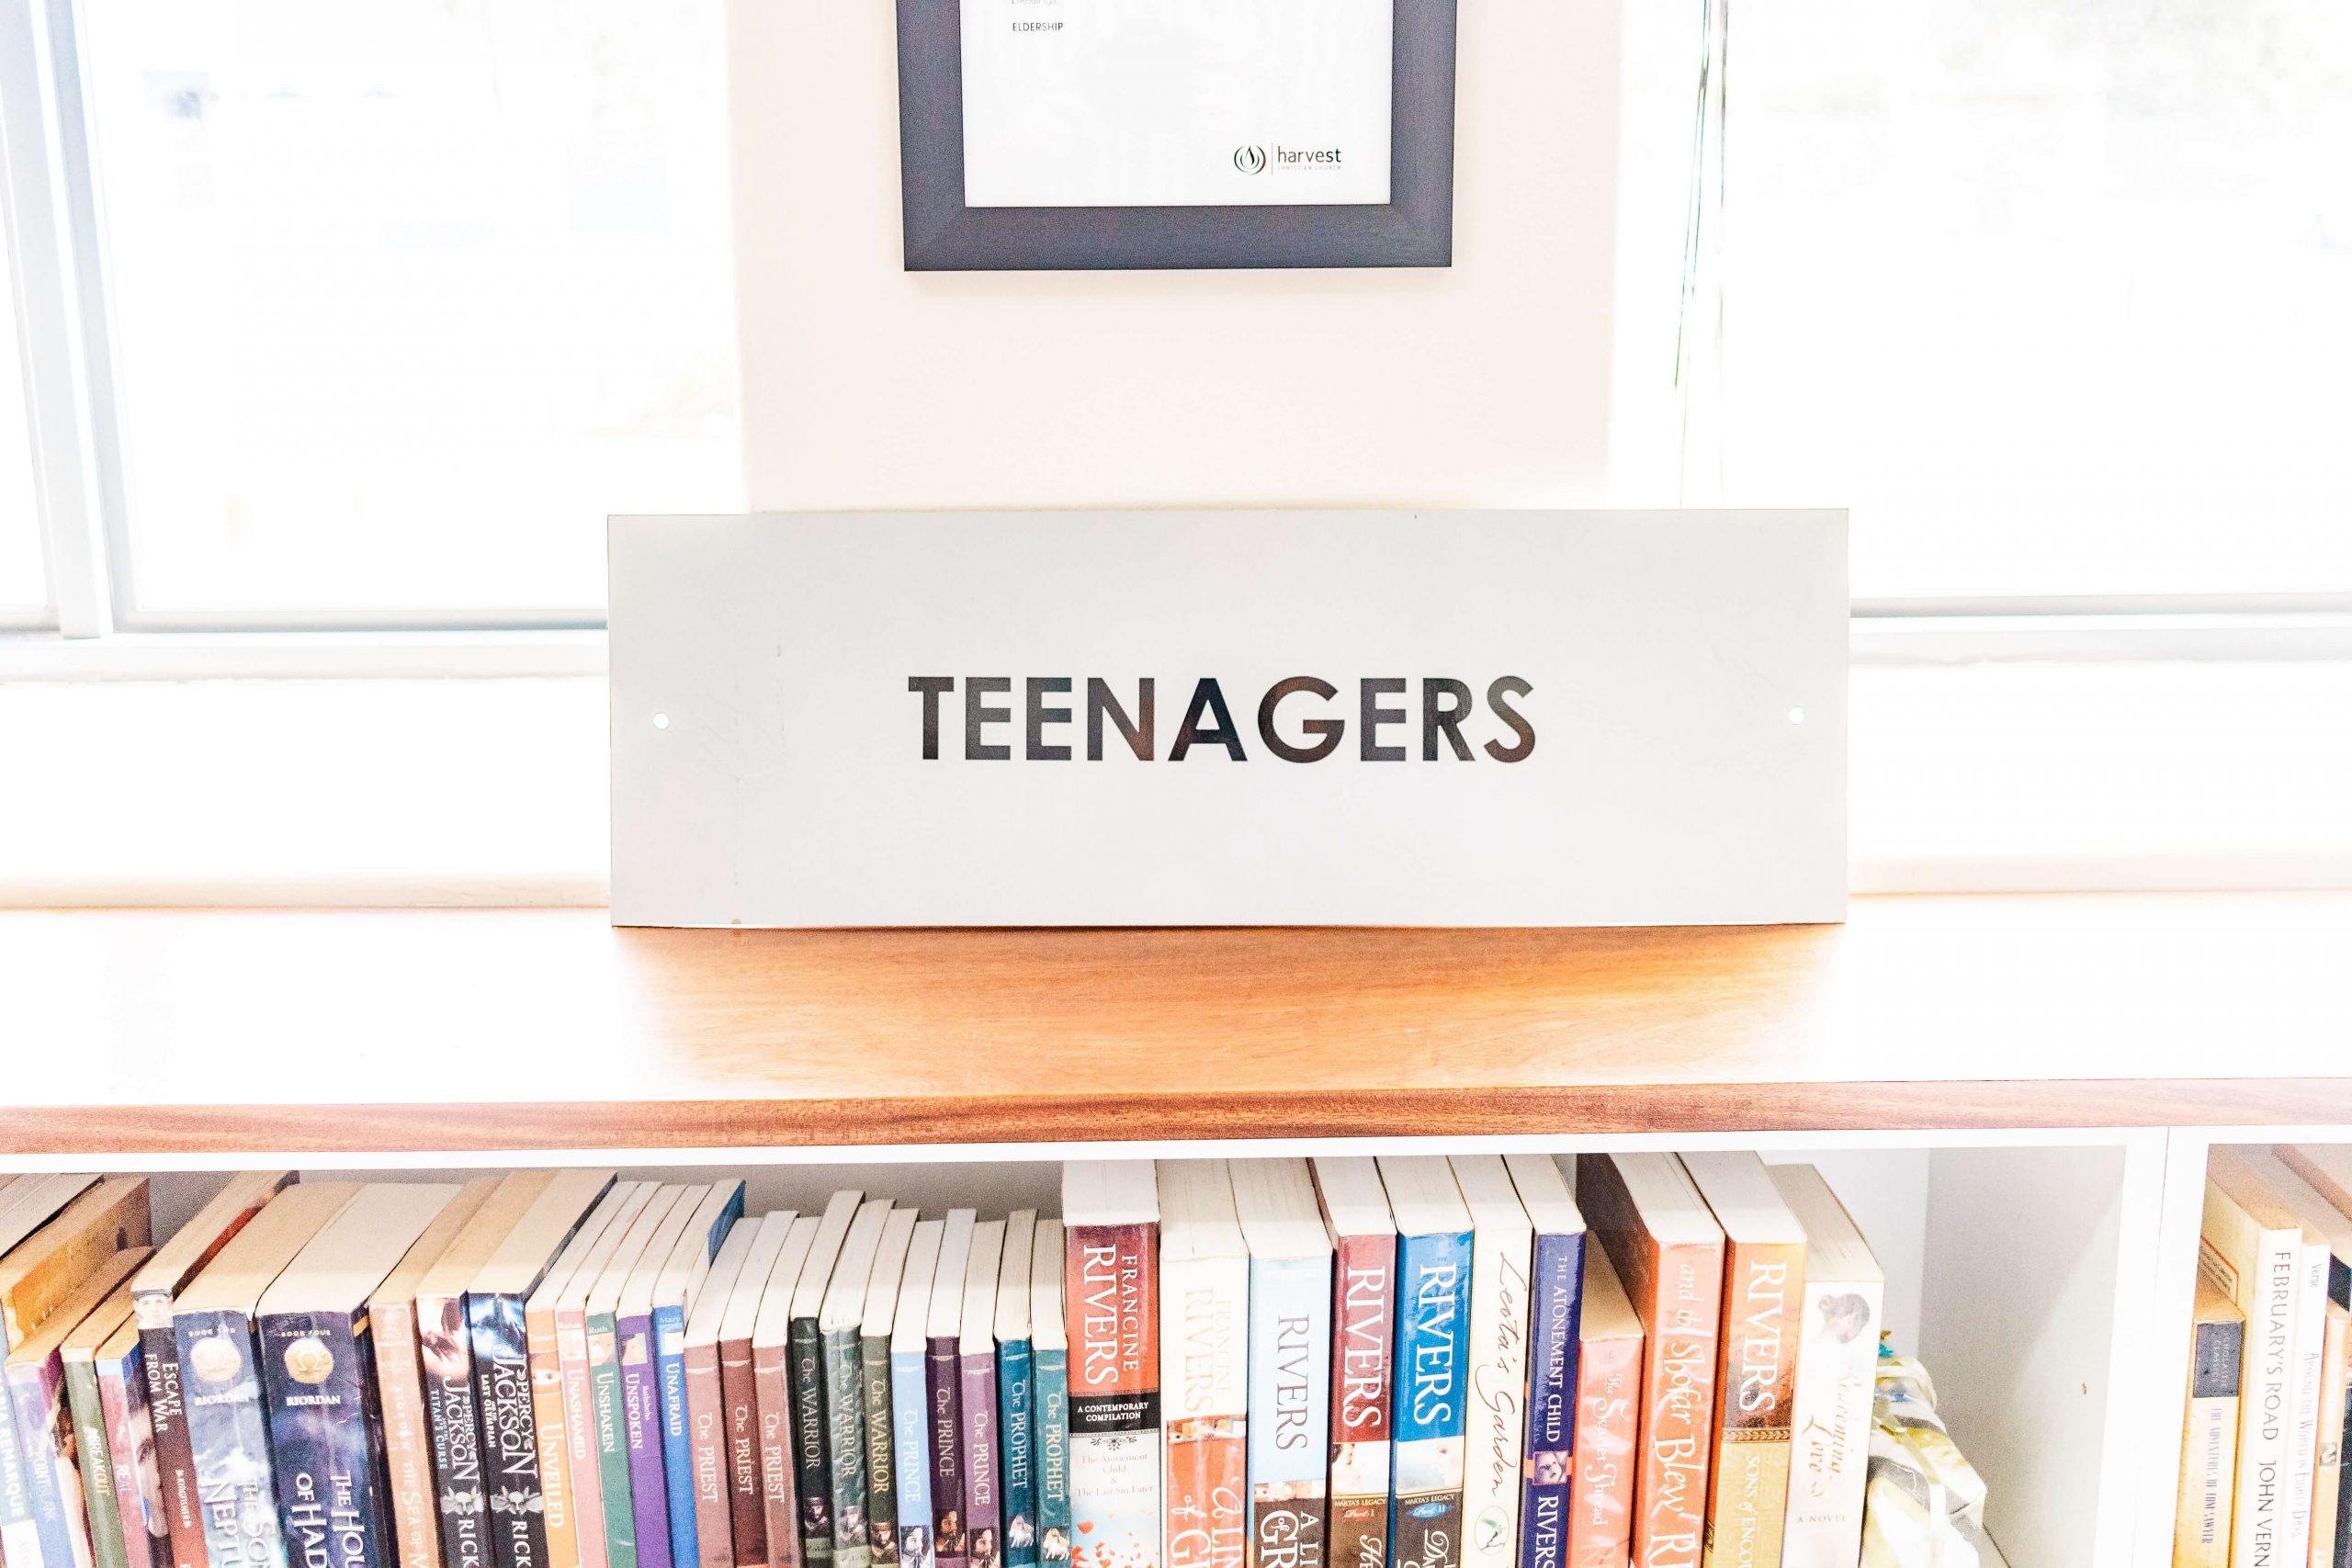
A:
x,y
983,1507
648,1475
943,1378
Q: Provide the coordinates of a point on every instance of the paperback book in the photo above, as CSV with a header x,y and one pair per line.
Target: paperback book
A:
x,y
1049,1343
2200,1536
1363,1335
1495,1437
841,1325
676,1289
554,1320
1110,1235
1609,1401
1764,1262
983,1459
42,1415
944,1389
1290,1360
1433,1283
874,1372
706,1401
811,1431
644,1461
911,1395
739,1388
607,1396
1555,1299
772,1380
1837,1356
1016,1391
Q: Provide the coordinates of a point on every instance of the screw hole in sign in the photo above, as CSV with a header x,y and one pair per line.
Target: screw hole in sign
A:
x,y
660,721
1796,715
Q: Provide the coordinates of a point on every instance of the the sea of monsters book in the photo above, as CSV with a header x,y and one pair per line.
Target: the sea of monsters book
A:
x,y
600,1324
174,1265
1432,1361
319,1378
707,1400
91,1452
1668,1253
400,1378
911,1395
812,1469
2326,1170
1290,1360
675,1290
137,1484
2200,1536
983,1460
772,1378
1494,1443
647,1491
446,1360
740,1393
28,1204
213,1319
1016,1391
556,1405
943,1391
1049,1350
840,1323
874,1372
1836,1355
583,1457
2250,1246
1363,1335
1110,1278
1763,1285
44,1422
1608,1402
1554,1297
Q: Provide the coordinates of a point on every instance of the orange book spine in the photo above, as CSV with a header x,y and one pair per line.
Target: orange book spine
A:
x,y
1608,1404
408,1453
559,1498
1757,1377
1208,1491
1678,1301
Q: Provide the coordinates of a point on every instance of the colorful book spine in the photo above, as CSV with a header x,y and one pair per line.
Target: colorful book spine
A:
x,y
550,1426
943,1391
740,1392
845,1445
1608,1407
1050,1402
1016,1396
649,1475
779,1463
122,1393
408,1440
580,1455
983,1462
1111,1288
881,1437
44,1423
1555,1301
1829,1441
454,1419
910,1456
509,1413
19,1532
229,1436
608,1397
1756,1374
325,1437
1433,1328
1289,1409
706,1433
95,1453
1364,1305
166,1412
812,1476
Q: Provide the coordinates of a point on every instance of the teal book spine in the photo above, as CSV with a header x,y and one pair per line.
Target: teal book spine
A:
x,y
612,1440
1049,1373
1016,1424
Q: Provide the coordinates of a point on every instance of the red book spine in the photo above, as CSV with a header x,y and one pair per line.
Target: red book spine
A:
x,y
1364,1331
739,1394
1609,1398
779,1486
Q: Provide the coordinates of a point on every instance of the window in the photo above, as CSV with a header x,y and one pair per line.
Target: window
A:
x,y
24,587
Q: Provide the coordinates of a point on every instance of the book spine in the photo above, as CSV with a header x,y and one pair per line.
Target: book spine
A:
x,y
2200,1537
407,1444
2310,1350
445,1350
739,1387
812,1477
510,1418
1289,1410
1432,1326
1757,1375
1016,1426
1111,1310
174,1461
983,1463
1555,1299
648,1478
1364,1333
707,1432
779,1468
2328,1475
910,1456
324,1434
1830,1425
1608,1405
1678,1403
230,1440
845,1445
584,1463
609,1400
2266,1408
1495,1428
881,1437
102,1519
677,1445
550,1426
943,1388
122,1396
1051,1399
38,1406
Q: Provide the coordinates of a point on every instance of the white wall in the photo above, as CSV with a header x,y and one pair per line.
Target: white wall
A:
x,y
1484,384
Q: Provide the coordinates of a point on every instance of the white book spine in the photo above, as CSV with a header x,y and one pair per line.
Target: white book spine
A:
x,y
1203,1385
1495,1436
2267,1407
2303,1457
1289,1425
1830,1422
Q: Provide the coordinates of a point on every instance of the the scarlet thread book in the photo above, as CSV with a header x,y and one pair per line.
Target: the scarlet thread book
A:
x,y
1763,1286
1668,1251
1555,1300
1364,1303
1203,1369
1433,1265
1110,1225
1608,1399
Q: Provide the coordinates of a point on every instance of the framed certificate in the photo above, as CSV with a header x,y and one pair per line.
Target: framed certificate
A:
x,y
1057,134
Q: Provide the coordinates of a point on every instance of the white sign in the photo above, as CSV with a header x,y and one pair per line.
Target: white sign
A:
x,y
1229,717
1176,103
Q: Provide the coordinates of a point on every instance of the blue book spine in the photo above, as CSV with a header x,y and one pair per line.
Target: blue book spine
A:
x,y
1289,1414
325,1437
1556,1303
1050,1373
37,1401
1016,1417
1432,1392
20,1537
677,1448
910,1455
230,1436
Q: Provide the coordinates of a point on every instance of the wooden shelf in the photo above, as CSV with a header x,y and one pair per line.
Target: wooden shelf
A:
x,y
229,1032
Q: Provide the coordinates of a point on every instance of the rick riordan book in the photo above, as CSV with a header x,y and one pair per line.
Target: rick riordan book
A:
x,y
1049,1352
607,1396
982,1457
319,1378
1608,1405
707,1400
41,1411
640,1375
1111,1303
2251,1246
91,1452
943,1390
1432,1360
2200,1535
811,1428
1845,1293
874,1372
1363,1335
400,1378
137,1484
675,1290
1203,1366
1290,1360
1554,1302
740,1393
1668,1253
1502,1249
1016,1391
840,1320
910,1395
175,1264
559,1491
772,1378
582,1458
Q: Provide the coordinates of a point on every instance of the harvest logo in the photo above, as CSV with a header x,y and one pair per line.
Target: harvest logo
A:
x,y
1250,160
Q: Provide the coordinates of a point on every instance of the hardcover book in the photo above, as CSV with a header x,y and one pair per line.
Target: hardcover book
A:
x,y
675,1290
706,1401
137,1484
1764,1265
1364,1333
1016,1391
1290,1360
646,1464
770,1376
2200,1537
911,1395
1838,1331
1608,1405
2251,1246
811,1431
943,1390
738,1388
1555,1295
982,1459
1433,1284
1502,1249
840,1324
1049,1349
42,1415
874,1370
607,1399
92,1449
1111,1305
1669,1252
555,1325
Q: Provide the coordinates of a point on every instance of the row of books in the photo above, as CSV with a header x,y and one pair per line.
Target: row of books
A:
x,y
1396,1363
2271,1374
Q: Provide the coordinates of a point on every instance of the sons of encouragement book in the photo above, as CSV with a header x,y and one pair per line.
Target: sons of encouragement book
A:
x,y
1364,1335
1433,1283
841,1327
1111,1240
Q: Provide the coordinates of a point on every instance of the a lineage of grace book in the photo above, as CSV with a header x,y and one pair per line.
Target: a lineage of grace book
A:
x,y
944,1389
676,1289
42,1416
1494,1440
137,1484
1432,1360
554,1321
687,1223
1554,1295
1203,1365
813,1477
1290,1360
1764,1265
1363,1335
91,1452
772,1377
1110,1238
2200,1536
2250,1246
1845,1293
841,1327
1016,1391
739,1386
607,1392
976,1366
910,1395
319,1378
400,1378
175,1264
1049,1342
27,1205
874,1373
707,1400
2327,1253
213,1321
1609,1406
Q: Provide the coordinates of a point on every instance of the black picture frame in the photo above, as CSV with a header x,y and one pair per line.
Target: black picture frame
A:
x,y
1414,229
